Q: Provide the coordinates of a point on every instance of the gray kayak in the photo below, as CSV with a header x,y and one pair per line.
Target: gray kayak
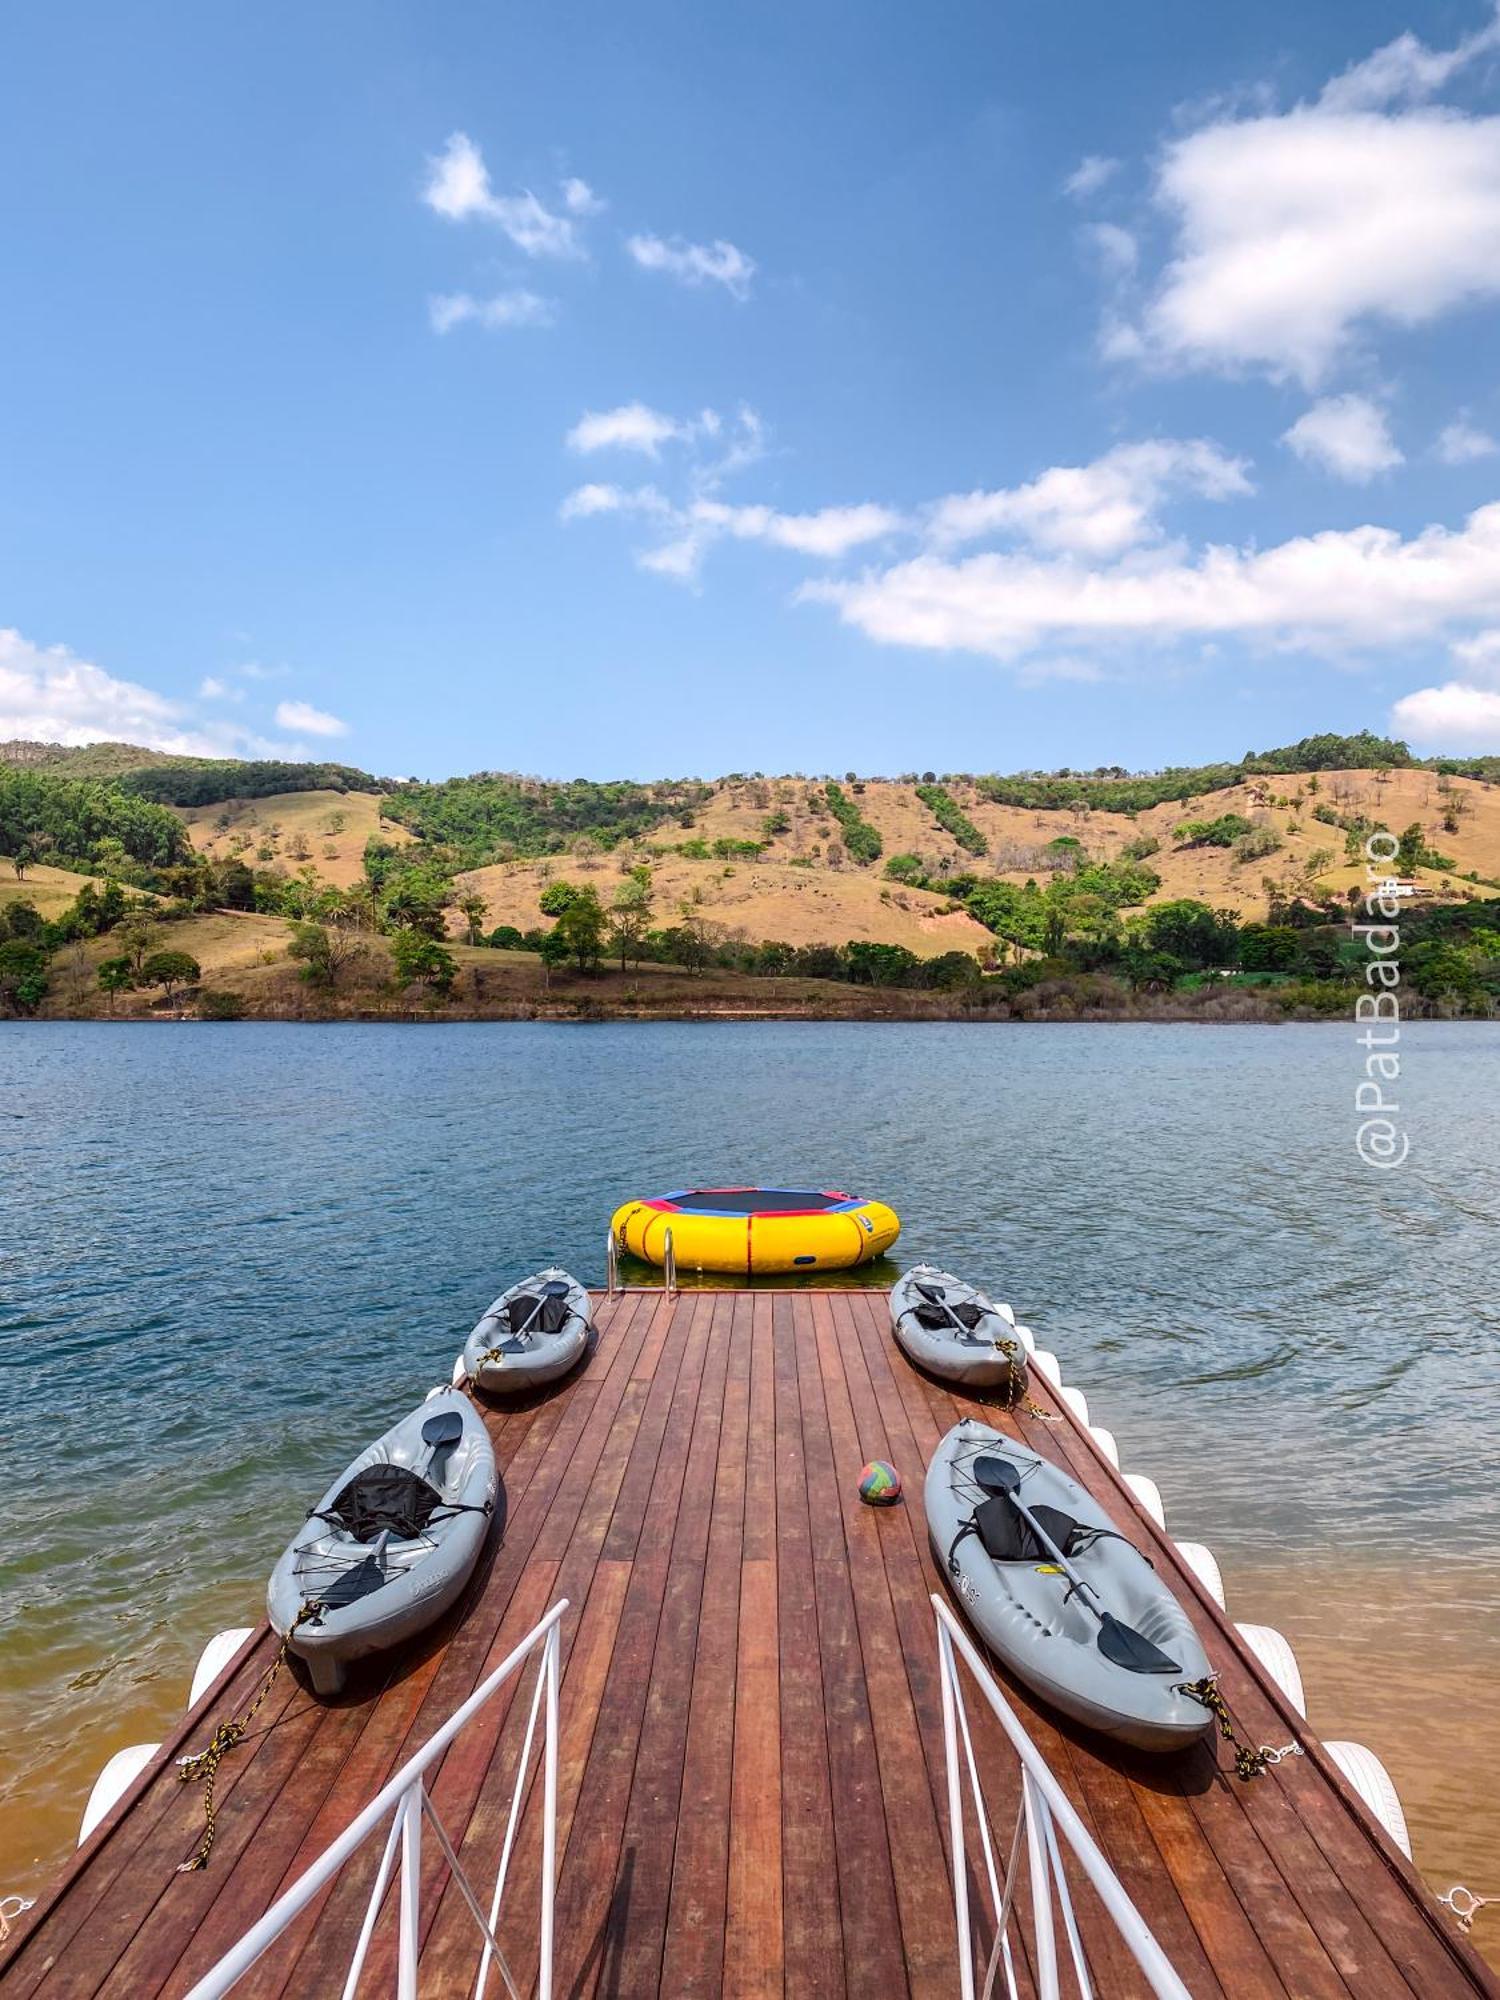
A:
x,y
1023,1606
392,1542
531,1335
953,1330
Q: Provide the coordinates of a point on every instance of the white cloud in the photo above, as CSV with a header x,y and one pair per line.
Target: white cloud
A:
x,y
635,427
1098,509
1298,231
691,529
301,715
49,695
458,188
210,688
1461,443
1091,173
1480,655
1347,436
1456,715
516,308
1333,591
829,532
579,198
586,501
1406,71
716,263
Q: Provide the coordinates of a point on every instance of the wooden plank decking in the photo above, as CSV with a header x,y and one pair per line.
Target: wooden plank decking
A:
x,y
752,1792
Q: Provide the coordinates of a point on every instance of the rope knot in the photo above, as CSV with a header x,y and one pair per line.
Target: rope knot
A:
x,y
1248,1763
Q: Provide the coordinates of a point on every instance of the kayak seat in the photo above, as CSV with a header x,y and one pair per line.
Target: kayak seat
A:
x,y
933,1319
384,1499
1005,1537
540,1315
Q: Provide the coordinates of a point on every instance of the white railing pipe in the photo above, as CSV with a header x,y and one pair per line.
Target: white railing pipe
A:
x,y
1046,1811
404,1792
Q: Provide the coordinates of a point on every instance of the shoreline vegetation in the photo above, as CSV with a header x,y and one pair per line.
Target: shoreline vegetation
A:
x,y
142,886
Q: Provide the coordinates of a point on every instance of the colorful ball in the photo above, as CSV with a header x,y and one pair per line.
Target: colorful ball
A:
x,y
879,1484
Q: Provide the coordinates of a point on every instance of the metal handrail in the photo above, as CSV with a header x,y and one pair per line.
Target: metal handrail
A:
x,y
1044,1812
406,1798
611,1263
668,1265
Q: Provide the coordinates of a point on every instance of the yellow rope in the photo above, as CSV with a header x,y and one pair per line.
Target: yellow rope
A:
x,y
1016,1397
1248,1763
204,1764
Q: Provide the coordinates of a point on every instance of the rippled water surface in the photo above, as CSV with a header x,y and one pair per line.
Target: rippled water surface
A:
x,y
230,1255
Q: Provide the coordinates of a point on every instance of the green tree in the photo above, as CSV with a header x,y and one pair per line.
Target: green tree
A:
x,y
556,897
553,952
325,951
169,970
582,926
23,976
138,937
422,960
22,920
115,975
630,916
473,909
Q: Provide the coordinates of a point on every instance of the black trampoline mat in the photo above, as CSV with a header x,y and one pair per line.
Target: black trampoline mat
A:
x,y
757,1201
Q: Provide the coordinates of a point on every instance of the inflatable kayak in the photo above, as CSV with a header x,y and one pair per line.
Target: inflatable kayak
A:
x,y
953,1330
757,1230
392,1542
532,1334
1062,1597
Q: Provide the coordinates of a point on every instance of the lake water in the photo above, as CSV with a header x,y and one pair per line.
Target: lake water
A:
x,y
230,1255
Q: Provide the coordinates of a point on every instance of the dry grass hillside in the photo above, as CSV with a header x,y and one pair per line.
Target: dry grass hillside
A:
x,y
50,889
805,890
329,829
759,899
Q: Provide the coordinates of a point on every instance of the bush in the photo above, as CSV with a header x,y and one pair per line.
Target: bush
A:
x,y
216,1005
1257,844
860,838
941,804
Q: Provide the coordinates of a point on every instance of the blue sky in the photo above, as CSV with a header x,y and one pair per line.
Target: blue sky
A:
x,y
673,390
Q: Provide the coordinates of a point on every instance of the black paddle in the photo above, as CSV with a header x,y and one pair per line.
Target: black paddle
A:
x,y
359,1579
1121,1644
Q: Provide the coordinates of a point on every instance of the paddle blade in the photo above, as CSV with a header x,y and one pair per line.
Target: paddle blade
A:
x,y
359,1580
932,1293
555,1288
995,1475
446,1428
1125,1647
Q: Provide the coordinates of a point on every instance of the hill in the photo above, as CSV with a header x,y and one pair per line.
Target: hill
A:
x,y
930,864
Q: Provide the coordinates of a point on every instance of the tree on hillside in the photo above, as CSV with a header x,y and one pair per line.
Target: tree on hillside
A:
x,y
473,909
23,858
169,970
553,952
23,976
115,976
422,960
138,937
325,951
630,916
581,926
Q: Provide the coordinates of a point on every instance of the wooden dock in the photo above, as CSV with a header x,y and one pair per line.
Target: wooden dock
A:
x,y
752,1788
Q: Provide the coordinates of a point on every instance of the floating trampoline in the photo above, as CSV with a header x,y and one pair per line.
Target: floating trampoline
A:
x,y
757,1230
